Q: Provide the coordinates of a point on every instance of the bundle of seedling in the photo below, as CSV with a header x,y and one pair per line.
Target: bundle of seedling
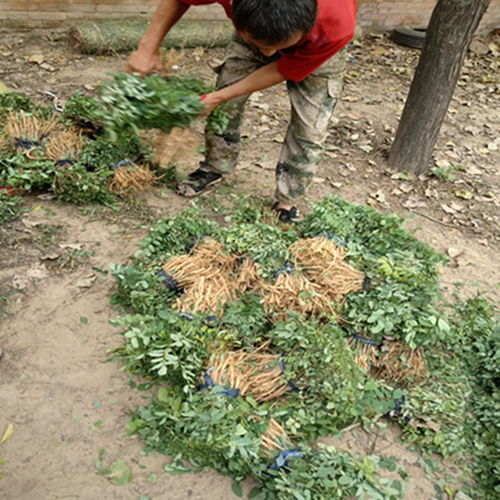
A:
x,y
263,337
95,149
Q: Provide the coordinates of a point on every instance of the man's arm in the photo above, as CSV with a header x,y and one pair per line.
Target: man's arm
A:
x,y
146,58
264,77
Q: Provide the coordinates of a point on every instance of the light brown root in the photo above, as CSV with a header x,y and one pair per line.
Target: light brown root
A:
x,y
323,263
253,373
22,127
64,145
180,144
247,278
171,58
129,178
365,355
275,438
401,364
295,293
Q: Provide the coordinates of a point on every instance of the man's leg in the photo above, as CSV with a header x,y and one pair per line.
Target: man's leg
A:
x,y
313,101
222,150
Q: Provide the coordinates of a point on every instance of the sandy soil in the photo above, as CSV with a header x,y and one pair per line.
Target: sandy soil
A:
x,y
65,402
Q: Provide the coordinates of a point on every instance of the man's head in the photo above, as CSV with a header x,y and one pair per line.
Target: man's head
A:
x,y
273,25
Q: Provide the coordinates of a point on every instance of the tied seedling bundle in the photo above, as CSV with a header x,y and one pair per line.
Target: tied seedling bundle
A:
x,y
243,383
94,150
67,154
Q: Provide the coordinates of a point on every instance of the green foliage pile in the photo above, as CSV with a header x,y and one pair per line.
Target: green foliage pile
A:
x,y
462,400
83,181
330,391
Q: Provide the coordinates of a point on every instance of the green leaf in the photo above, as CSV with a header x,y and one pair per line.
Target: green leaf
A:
x,y
255,492
119,473
236,489
176,468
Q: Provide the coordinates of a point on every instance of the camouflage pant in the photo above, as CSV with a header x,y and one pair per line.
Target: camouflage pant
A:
x,y
312,101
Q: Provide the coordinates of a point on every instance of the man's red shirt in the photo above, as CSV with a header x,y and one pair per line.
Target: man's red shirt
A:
x,y
333,30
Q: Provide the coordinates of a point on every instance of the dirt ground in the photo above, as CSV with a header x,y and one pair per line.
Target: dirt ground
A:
x,y
66,402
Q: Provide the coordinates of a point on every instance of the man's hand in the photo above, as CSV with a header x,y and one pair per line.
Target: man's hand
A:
x,y
211,101
146,59
144,63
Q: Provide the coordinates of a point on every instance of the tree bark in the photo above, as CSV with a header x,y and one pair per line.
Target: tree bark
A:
x,y
450,31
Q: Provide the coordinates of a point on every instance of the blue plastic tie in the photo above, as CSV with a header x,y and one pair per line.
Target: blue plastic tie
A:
x,y
332,236
290,383
190,317
365,340
398,409
122,163
227,391
64,161
168,281
286,269
282,459
25,143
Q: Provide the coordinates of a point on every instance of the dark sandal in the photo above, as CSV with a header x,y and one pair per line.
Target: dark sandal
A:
x,y
285,215
198,182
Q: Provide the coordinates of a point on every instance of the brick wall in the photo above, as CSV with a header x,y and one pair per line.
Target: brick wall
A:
x,y
374,15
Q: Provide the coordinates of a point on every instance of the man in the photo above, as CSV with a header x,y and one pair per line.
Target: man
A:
x,y
297,41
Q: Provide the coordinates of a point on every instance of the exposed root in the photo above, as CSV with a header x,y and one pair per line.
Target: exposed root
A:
x,y
129,178
171,58
295,293
401,364
247,278
275,438
323,263
64,145
315,289
256,373
365,354
209,295
5,144
180,144
205,275
27,132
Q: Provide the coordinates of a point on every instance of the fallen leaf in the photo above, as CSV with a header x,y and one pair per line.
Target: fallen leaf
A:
x,y
29,224
8,432
414,202
442,163
472,170
118,473
366,148
379,196
464,194
35,58
71,246
50,256
47,67
406,187
86,282
454,252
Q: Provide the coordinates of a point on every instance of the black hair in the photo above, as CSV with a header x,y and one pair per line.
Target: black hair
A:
x,y
273,21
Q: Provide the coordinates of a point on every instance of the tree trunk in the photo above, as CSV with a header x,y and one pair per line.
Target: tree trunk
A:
x,y
450,31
